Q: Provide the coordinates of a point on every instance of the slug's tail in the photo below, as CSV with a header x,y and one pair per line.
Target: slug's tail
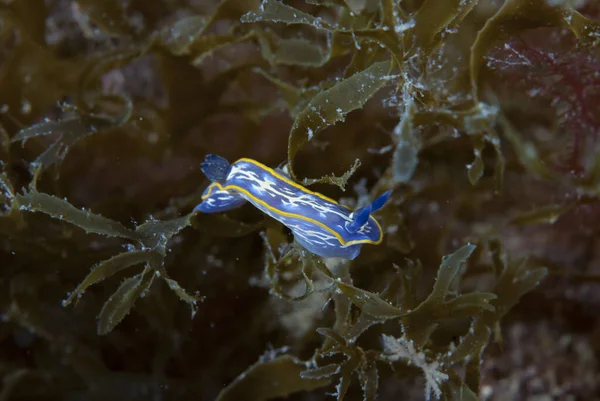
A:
x,y
380,201
215,168
361,216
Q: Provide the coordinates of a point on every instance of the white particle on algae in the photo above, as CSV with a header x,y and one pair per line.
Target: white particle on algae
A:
x,y
393,229
309,132
486,392
26,107
404,26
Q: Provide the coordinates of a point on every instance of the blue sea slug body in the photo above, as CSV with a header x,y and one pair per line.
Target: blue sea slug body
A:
x,y
318,223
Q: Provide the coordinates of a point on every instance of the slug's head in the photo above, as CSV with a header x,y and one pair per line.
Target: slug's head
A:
x,y
215,168
360,217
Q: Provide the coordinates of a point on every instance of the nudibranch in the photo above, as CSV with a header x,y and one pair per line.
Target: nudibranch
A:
x,y
318,223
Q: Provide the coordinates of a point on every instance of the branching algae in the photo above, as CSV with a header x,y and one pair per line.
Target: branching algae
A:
x,y
480,116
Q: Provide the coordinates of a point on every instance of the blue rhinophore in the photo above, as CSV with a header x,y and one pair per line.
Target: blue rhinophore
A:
x,y
319,223
215,167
